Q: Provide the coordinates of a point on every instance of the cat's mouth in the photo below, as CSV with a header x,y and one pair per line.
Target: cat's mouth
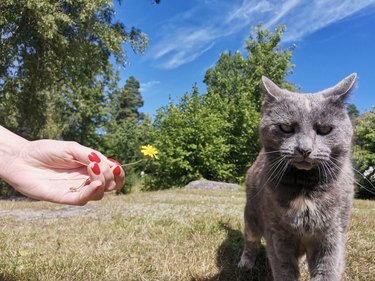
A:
x,y
303,165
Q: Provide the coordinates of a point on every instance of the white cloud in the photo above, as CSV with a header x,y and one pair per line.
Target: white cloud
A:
x,y
187,36
147,86
186,43
315,15
180,58
284,9
245,12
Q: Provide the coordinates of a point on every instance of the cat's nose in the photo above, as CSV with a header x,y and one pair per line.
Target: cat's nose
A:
x,y
305,152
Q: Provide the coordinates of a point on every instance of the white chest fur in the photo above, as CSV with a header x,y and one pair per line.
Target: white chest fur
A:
x,y
304,215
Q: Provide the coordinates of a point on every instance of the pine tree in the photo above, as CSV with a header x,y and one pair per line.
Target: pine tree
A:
x,y
128,101
127,129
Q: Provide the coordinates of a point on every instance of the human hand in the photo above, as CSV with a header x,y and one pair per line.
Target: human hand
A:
x,y
62,172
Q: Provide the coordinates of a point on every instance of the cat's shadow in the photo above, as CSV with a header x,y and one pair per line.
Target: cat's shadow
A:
x,y
228,256
7,277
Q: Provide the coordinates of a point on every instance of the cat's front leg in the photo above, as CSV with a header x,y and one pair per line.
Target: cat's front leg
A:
x,y
252,237
282,254
326,258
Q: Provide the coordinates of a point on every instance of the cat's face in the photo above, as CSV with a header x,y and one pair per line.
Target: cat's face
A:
x,y
307,129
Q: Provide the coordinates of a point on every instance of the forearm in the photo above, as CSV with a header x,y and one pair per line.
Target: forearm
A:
x,y
9,148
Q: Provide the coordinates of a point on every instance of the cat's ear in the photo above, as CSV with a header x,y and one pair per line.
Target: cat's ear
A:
x,y
271,91
340,92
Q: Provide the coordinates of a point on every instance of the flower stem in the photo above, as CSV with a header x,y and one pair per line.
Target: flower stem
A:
x,y
122,165
132,163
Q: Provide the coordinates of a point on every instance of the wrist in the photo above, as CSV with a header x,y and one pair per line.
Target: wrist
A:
x,y
10,145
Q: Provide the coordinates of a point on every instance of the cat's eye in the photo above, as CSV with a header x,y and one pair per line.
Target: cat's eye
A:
x,y
323,130
286,128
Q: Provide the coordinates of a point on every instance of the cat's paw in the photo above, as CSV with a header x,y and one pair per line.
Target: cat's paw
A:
x,y
246,262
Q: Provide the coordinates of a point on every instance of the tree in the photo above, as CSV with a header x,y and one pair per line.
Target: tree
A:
x,y
191,142
234,86
126,128
55,68
352,111
55,64
364,153
215,135
127,102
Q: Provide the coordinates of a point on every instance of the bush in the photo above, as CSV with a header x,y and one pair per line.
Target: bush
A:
x,y
364,154
215,135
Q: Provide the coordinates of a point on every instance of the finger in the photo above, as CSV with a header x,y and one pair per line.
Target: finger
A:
x,y
85,154
92,192
109,182
112,162
119,177
97,193
94,171
102,171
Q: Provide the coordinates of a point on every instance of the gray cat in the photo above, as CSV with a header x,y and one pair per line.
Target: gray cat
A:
x,y
300,188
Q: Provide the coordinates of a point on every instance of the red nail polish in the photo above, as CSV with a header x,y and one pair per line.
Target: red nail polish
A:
x,y
114,161
96,169
117,171
98,187
93,157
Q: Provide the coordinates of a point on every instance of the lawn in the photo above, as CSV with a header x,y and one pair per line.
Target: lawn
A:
x,y
166,235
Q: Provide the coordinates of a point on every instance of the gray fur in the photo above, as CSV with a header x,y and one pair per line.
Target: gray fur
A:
x,y
300,188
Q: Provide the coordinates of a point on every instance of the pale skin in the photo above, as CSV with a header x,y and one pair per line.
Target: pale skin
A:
x,y
57,171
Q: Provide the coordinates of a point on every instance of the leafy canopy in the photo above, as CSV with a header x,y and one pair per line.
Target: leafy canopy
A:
x,y
55,69
56,72
364,153
215,135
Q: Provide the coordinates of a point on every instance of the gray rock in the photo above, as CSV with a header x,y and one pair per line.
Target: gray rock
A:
x,y
212,185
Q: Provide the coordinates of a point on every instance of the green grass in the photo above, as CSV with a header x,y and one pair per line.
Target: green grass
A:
x,y
168,235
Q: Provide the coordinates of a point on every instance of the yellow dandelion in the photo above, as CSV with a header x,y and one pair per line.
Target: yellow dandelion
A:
x,y
149,150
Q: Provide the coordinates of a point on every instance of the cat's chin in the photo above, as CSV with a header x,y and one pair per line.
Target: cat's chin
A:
x,y
303,165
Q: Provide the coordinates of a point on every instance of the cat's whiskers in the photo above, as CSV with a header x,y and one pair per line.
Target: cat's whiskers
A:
x,y
275,163
269,152
282,172
320,172
323,173
355,181
359,173
275,168
330,174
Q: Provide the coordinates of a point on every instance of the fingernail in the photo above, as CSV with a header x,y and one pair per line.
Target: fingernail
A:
x,y
117,171
96,169
114,161
98,187
93,157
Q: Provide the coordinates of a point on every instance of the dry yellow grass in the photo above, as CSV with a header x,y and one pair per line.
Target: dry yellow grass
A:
x,y
168,235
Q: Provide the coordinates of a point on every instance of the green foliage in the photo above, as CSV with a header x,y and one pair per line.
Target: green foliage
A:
x,y
127,102
191,141
55,65
215,135
364,153
56,78
127,130
352,111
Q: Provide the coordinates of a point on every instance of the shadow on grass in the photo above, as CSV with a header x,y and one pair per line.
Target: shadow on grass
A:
x,y
228,256
7,277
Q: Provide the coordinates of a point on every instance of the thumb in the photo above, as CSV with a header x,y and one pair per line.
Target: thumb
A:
x,y
92,192
89,192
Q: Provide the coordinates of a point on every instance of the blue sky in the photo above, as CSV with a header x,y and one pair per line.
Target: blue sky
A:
x,y
334,38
